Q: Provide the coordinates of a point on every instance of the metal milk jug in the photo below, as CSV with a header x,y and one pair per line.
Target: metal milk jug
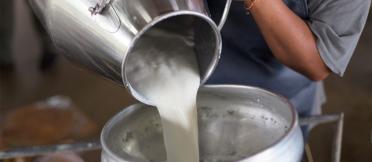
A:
x,y
101,34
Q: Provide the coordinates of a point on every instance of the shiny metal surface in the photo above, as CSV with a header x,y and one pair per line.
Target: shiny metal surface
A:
x,y
314,121
101,34
236,123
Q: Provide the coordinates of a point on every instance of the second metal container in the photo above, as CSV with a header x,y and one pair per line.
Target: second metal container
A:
x,y
236,123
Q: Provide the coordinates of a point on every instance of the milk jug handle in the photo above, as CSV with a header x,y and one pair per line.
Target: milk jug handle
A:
x,y
225,14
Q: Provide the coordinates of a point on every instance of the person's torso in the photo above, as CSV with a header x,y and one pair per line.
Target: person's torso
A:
x,y
246,58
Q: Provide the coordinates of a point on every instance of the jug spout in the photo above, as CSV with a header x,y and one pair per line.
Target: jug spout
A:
x,y
101,34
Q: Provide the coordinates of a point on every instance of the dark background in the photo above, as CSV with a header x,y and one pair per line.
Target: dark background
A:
x,y
101,99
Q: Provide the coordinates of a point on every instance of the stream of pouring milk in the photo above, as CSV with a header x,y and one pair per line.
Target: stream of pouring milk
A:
x,y
168,76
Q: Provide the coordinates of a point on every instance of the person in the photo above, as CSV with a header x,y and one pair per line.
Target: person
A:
x,y
288,46
7,16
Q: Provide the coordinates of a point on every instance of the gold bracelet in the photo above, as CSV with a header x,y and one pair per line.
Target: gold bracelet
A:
x,y
250,3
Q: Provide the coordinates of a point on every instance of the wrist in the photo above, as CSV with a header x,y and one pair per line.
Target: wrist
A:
x,y
251,4
248,4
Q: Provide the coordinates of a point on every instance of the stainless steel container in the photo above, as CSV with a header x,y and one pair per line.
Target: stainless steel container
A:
x,y
236,123
102,34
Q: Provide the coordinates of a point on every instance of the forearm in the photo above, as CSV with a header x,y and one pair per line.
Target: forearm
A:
x,y
289,38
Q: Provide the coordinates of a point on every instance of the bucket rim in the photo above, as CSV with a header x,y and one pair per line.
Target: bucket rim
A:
x,y
287,136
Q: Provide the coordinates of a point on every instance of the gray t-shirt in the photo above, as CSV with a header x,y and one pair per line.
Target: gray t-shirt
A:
x,y
246,59
337,24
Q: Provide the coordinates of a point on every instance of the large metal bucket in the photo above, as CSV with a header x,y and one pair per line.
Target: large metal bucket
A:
x,y
236,123
102,34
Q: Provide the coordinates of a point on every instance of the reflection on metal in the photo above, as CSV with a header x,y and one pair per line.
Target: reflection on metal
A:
x,y
225,14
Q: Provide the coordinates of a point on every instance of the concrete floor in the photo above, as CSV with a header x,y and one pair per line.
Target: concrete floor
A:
x,y
101,99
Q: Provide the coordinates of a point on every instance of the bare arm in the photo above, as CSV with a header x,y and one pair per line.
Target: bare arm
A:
x,y
289,38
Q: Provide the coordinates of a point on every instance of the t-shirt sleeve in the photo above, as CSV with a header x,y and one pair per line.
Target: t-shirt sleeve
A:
x,y
337,24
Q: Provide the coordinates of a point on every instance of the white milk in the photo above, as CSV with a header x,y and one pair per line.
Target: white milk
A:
x,y
170,81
